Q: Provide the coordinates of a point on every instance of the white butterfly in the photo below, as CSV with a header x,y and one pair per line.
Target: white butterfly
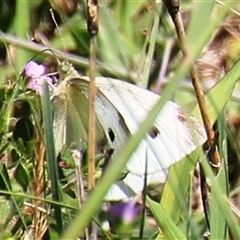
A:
x,y
120,108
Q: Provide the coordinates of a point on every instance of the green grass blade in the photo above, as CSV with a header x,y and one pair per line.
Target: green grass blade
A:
x,y
21,25
147,56
221,200
218,220
220,94
203,23
51,158
201,10
167,225
174,194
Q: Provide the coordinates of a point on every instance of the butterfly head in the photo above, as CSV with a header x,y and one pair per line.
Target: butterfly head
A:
x,y
66,71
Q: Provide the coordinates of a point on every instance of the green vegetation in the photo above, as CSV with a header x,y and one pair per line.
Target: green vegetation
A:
x,y
43,178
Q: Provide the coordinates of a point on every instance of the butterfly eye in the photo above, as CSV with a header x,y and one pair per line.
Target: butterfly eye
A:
x,y
111,134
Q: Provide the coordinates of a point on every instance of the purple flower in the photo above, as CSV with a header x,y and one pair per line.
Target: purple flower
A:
x,y
37,77
127,212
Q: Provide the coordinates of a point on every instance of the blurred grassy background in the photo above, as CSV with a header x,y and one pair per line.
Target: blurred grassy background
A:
x,y
136,43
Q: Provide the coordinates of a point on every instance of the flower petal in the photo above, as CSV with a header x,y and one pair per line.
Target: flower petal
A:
x,y
37,83
33,69
126,211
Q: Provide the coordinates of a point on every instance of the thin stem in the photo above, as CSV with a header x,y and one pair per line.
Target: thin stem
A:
x,y
92,116
92,29
92,7
177,20
77,60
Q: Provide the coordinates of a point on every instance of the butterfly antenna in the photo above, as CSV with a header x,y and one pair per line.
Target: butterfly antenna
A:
x,y
58,29
92,23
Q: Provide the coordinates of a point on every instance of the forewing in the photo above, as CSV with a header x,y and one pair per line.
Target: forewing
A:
x,y
174,135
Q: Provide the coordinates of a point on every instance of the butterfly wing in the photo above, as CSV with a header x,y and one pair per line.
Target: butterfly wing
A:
x,y
70,124
175,135
60,117
120,108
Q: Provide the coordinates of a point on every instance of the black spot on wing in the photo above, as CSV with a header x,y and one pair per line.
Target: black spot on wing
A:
x,y
153,132
111,134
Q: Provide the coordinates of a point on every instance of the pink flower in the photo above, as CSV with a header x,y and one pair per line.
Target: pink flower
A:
x,y
37,77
